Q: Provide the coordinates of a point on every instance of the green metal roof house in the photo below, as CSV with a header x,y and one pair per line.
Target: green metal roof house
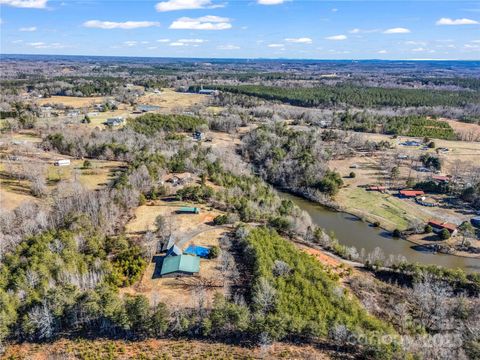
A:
x,y
180,265
189,210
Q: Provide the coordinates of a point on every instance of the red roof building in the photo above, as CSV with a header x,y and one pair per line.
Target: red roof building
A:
x,y
439,226
411,193
440,178
377,188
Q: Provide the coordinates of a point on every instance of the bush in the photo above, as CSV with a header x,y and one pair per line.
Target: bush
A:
x,y
214,252
444,234
376,224
220,219
431,145
428,229
87,164
396,233
352,175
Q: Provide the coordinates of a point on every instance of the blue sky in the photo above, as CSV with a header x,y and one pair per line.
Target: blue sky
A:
x,y
243,28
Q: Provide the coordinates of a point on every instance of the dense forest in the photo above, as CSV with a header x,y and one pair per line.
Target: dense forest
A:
x,y
350,95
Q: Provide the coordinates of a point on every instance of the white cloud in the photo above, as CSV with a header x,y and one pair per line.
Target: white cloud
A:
x,y
209,22
336,37
152,48
303,40
334,10
130,43
42,45
177,44
127,25
228,47
163,40
365,31
270,2
475,41
397,30
275,45
173,5
32,4
463,21
382,51
17,41
192,41
28,29
419,43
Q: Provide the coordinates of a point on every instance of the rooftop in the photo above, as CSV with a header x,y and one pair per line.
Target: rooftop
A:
x,y
183,263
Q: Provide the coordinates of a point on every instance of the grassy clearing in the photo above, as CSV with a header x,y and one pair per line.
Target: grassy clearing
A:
x,y
171,100
73,101
373,206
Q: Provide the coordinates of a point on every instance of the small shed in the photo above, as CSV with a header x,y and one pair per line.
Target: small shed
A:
x,y
180,265
377,188
188,210
62,162
174,251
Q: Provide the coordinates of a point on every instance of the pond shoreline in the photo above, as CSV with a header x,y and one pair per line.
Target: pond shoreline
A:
x,y
343,220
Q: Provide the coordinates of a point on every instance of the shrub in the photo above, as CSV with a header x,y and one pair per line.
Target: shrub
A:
x,y
396,233
444,234
87,164
352,175
428,229
214,252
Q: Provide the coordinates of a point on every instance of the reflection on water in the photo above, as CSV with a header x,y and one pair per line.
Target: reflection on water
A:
x,y
350,231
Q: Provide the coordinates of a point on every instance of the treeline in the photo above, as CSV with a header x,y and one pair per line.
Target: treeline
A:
x,y
351,95
149,124
409,125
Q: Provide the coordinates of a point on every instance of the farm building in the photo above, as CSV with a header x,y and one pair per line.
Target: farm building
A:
x,y
475,221
116,121
410,193
146,108
188,210
62,162
440,178
168,244
377,188
180,265
438,226
208,92
174,251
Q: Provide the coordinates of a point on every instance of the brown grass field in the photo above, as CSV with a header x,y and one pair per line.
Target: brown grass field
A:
x,y
155,349
72,101
171,100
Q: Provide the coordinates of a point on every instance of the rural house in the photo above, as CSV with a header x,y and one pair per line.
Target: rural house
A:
x,y
438,227
180,265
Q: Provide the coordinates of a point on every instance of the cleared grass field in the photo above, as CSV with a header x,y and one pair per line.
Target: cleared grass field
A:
x,y
73,101
170,100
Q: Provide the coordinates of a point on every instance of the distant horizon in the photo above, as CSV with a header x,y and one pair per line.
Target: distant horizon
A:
x,y
248,29
239,58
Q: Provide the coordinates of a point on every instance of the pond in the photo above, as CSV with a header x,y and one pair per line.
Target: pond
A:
x,y
351,231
